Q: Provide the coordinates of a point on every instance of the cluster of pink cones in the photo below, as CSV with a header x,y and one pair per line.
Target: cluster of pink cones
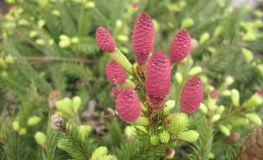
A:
x,y
158,70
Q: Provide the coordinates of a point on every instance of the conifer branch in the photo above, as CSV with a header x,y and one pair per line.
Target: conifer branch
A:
x,y
50,59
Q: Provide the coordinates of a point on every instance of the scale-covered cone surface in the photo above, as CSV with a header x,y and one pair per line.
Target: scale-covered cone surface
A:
x,y
180,46
252,148
143,38
115,73
192,95
128,105
158,75
104,40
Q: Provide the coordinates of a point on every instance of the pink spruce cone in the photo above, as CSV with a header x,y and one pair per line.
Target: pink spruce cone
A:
x,y
192,95
213,94
115,73
180,46
128,105
260,92
105,40
143,38
157,81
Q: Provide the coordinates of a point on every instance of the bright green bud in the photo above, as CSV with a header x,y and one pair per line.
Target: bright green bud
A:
x,y
132,9
211,155
141,129
204,37
16,126
189,136
171,25
257,24
203,108
55,13
239,122
258,13
42,3
216,117
229,80
129,131
248,54
76,101
178,78
211,49
64,43
254,101
164,137
182,4
218,31
249,36
89,5
40,137
220,109
4,75
40,42
64,105
23,22
74,40
41,23
224,130
187,22
203,79
168,106
84,130
108,157
253,117
235,97
260,69
99,152
33,120
118,23
64,37
154,139
142,121
127,83
179,123
122,38
33,34
51,42
122,60
195,70
124,50
22,131
9,59
156,25
226,93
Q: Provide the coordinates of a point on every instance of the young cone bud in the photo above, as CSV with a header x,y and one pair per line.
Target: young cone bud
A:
x,y
235,97
128,105
178,123
255,100
169,106
204,37
220,109
211,101
143,38
84,130
192,95
178,78
253,117
158,75
99,152
22,131
154,139
169,153
203,108
189,136
188,22
224,130
104,40
16,126
248,54
108,157
180,46
164,137
216,117
33,120
195,70
40,137
76,102
142,121
115,73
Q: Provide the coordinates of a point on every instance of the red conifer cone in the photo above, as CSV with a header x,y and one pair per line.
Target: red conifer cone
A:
x,y
192,95
128,105
115,73
104,40
180,46
143,38
158,75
